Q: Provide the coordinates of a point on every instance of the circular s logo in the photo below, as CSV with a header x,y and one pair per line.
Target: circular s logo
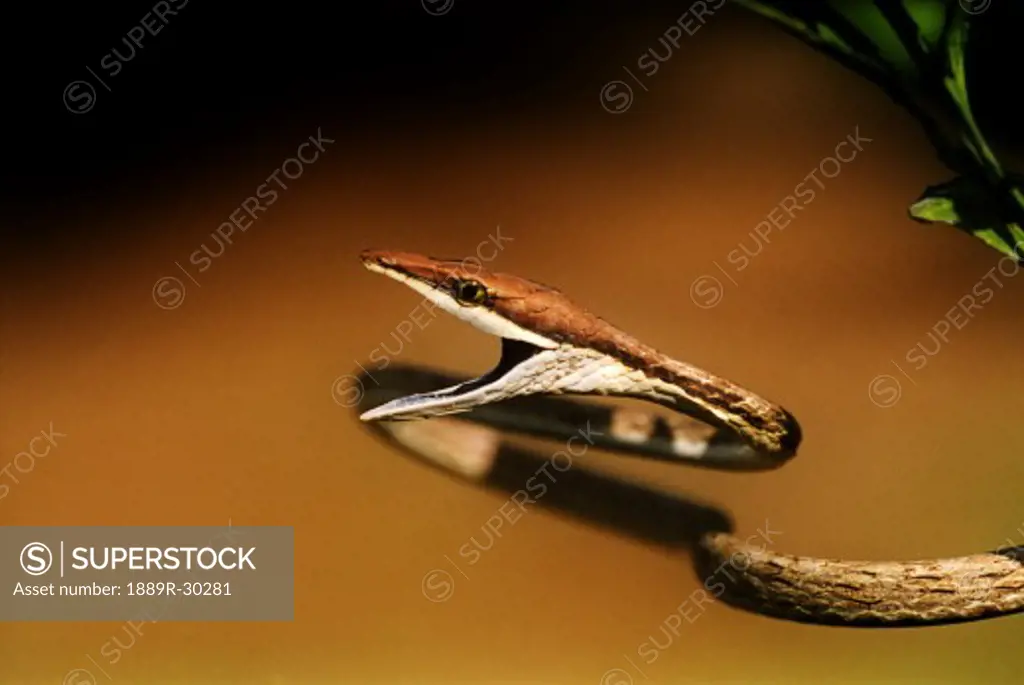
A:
x,y
437,7
36,558
168,292
79,97
706,291
617,676
616,97
438,585
884,390
79,676
347,390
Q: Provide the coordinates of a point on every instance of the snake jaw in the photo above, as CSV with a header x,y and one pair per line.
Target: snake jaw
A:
x,y
518,360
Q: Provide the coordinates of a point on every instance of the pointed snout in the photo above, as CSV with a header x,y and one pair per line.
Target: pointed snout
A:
x,y
378,257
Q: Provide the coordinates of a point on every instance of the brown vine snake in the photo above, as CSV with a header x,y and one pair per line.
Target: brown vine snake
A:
x,y
551,346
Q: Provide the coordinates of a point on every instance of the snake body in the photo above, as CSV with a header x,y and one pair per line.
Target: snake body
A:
x,y
551,346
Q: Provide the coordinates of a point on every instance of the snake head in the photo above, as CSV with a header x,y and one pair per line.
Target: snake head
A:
x,y
493,303
498,304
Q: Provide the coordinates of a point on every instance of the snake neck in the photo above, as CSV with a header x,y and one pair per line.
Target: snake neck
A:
x,y
643,373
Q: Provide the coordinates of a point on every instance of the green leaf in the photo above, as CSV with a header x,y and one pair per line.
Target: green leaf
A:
x,y
968,204
895,50
930,19
955,83
935,209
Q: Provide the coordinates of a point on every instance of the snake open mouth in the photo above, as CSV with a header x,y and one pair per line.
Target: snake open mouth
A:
x,y
471,297
515,355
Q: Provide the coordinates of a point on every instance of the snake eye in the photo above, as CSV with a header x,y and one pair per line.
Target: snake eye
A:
x,y
471,292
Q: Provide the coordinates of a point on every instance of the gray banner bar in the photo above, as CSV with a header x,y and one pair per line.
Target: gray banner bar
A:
x,y
159,573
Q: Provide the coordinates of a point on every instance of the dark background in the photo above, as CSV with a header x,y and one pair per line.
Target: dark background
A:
x,y
219,74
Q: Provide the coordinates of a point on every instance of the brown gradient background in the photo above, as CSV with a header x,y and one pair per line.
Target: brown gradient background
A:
x,y
222,409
